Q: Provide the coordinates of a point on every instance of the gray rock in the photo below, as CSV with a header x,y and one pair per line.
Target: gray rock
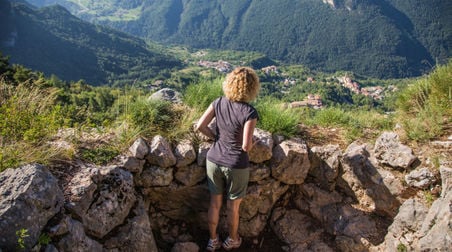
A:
x,y
290,162
49,248
389,151
154,176
185,153
139,148
29,197
325,165
294,227
446,179
358,225
160,153
261,197
252,227
364,182
321,203
76,240
132,164
185,247
202,153
348,244
167,94
190,175
259,172
187,203
436,231
105,204
262,149
421,178
406,223
135,235
391,179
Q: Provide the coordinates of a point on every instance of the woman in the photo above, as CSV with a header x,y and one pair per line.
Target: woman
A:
x,y
227,159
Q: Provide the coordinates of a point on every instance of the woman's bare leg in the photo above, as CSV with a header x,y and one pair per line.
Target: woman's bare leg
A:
x,y
233,218
213,214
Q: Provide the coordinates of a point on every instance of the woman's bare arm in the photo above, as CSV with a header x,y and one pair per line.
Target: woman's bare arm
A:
x,y
204,121
248,132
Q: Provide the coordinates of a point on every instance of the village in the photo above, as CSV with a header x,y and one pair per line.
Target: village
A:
x,y
311,100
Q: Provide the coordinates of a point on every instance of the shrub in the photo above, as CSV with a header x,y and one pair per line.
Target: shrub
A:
x,y
276,118
200,95
151,115
27,113
331,116
424,107
28,119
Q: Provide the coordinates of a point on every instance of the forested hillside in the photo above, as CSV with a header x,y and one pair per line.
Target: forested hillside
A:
x,y
53,41
391,38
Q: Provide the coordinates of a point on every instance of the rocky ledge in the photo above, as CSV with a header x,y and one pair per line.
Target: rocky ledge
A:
x,y
300,198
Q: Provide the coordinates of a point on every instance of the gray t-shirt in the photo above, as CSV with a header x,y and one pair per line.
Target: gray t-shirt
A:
x,y
230,121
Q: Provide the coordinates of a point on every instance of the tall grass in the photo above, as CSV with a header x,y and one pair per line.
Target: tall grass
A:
x,y
425,106
355,123
276,118
28,119
199,95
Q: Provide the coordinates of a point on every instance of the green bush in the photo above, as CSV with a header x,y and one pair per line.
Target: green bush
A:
x,y
27,113
276,118
424,107
152,116
327,117
355,123
200,95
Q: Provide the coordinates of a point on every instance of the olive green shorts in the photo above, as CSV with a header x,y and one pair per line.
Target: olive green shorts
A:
x,y
235,181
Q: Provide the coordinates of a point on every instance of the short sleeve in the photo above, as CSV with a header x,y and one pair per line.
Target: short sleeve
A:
x,y
252,114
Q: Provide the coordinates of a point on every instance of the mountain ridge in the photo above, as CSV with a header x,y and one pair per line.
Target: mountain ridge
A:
x,y
53,41
376,38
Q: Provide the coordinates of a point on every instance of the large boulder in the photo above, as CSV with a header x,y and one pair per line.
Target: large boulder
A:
x,y
290,161
29,197
102,198
132,164
362,181
436,231
167,94
390,151
402,230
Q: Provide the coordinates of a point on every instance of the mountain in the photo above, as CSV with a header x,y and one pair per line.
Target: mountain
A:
x,y
53,41
383,38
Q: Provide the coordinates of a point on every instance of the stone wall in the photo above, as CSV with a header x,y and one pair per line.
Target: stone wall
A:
x,y
155,198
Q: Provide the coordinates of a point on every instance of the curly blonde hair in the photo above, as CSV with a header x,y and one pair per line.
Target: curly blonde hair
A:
x,y
241,85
